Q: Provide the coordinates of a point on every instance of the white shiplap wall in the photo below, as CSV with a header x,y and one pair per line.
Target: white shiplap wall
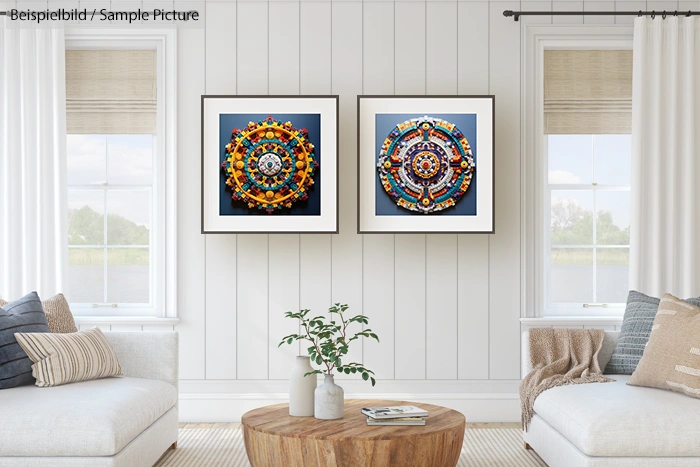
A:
x,y
446,306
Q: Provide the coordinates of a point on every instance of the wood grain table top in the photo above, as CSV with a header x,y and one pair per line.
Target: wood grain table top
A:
x,y
275,419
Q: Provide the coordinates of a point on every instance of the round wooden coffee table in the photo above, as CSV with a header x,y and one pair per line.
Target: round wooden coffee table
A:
x,y
273,438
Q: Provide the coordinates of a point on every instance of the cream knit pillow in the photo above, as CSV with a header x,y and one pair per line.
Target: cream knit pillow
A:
x,y
68,358
671,359
58,313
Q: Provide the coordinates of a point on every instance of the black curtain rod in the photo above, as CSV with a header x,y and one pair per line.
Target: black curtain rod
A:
x,y
517,14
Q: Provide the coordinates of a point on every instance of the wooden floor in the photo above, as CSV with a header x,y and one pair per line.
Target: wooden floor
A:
x,y
233,425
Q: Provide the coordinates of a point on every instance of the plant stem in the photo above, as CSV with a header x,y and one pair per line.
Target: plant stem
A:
x,y
318,351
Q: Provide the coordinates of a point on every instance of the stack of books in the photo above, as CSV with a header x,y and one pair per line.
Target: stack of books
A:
x,y
403,415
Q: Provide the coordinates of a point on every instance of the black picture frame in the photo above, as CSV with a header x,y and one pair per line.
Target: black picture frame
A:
x,y
361,98
262,98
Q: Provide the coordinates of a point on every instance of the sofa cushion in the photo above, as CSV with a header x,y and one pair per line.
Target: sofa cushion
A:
x,y
23,315
614,419
69,358
90,418
634,335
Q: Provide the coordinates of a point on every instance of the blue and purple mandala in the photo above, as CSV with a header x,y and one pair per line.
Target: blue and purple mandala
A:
x,y
426,165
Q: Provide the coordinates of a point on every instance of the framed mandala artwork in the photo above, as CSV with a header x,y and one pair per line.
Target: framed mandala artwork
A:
x,y
269,164
425,164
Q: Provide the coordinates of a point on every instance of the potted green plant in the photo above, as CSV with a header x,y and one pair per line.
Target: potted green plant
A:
x,y
330,341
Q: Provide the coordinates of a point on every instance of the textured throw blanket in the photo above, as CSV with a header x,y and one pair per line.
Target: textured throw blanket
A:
x,y
560,357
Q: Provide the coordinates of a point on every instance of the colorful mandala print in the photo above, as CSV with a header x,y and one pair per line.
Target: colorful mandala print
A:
x,y
270,165
425,164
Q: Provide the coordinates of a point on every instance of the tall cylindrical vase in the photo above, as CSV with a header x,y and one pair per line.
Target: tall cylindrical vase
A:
x,y
301,389
329,401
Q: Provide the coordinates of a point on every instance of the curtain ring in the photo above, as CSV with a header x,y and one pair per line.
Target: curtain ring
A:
x,y
675,13
663,16
640,14
653,14
688,15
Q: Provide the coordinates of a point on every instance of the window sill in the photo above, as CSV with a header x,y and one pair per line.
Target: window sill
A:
x,y
572,321
126,320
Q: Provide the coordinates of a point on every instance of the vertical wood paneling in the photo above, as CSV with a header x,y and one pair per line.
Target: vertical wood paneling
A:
x,y
346,273
688,5
536,6
467,287
315,52
283,296
253,249
441,20
628,6
441,253
191,272
409,262
410,48
441,326
598,6
567,6
220,249
473,50
472,250
378,250
284,249
283,62
504,247
252,325
252,49
315,255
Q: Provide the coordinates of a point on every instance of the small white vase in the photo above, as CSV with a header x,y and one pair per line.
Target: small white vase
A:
x,y
329,401
301,389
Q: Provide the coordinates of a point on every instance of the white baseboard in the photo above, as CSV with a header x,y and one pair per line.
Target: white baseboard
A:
x,y
223,407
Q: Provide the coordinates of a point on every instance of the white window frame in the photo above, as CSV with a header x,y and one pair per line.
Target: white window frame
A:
x,y
534,175
163,247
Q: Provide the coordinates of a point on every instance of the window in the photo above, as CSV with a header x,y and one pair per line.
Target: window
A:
x,y
585,149
588,206
110,214
121,172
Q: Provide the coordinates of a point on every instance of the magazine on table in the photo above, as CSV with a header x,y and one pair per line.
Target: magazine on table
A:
x,y
417,421
401,411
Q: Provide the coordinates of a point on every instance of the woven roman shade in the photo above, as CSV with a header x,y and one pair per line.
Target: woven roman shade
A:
x,y
587,91
111,91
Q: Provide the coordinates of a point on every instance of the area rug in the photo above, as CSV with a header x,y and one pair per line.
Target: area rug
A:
x,y
222,446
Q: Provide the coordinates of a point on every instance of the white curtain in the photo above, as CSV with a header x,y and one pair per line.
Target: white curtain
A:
x,y
665,232
33,211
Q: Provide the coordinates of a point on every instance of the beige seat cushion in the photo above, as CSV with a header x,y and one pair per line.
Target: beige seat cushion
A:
x,y
91,418
615,419
58,314
671,359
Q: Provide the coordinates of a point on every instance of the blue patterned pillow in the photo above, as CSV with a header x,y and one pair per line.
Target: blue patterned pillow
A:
x,y
634,335
23,315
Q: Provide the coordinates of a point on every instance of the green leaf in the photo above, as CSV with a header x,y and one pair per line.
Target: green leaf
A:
x,y
373,381
319,360
365,376
354,370
346,370
337,361
290,340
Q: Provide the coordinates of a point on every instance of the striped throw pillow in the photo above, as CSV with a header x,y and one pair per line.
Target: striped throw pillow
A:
x,y
58,313
69,358
634,335
672,357
23,315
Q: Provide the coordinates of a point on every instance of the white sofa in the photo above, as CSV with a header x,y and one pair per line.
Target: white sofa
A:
x,y
125,421
612,424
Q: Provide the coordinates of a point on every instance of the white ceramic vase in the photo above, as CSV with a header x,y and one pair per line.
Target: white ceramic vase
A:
x,y
329,401
301,389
